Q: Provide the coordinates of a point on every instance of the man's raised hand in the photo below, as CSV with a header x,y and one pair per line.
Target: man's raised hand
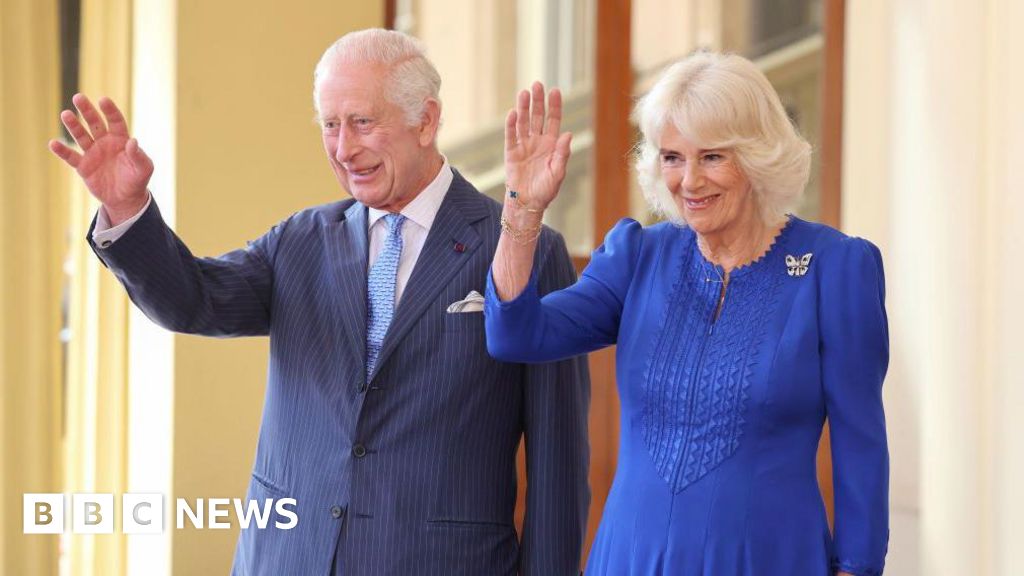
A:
x,y
115,170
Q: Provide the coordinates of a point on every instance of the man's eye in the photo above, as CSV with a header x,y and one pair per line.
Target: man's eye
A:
x,y
330,124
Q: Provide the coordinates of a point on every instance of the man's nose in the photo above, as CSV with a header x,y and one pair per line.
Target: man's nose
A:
x,y
348,147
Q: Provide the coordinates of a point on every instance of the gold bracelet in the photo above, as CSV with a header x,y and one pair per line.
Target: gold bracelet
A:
x,y
524,236
515,197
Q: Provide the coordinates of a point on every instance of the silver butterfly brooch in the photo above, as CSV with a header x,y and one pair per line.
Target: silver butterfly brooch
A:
x,y
798,266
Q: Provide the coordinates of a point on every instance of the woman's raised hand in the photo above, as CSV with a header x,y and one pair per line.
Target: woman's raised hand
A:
x,y
536,153
113,167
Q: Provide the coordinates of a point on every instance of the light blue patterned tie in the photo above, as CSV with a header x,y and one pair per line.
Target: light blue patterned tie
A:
x,y
380,290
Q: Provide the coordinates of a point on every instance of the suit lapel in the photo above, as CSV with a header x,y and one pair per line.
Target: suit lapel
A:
x,y
348,248
439,260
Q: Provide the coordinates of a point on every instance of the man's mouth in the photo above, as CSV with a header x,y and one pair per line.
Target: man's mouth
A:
x,y
363,173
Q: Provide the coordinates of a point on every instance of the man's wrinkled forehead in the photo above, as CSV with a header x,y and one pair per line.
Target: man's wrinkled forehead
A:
x,y
349,65
351,84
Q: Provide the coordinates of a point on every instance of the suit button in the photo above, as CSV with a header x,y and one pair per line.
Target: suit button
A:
x,y
336,512
359,450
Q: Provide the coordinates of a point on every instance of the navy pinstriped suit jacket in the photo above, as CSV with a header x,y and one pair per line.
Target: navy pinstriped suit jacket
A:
x,y
413,472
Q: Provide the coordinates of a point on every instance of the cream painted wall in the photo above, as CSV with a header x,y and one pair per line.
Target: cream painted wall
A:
x,y
933,132
662,31
1006,234
248,155
472,43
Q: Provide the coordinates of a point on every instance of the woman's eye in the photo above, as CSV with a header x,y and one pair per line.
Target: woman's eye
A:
x,y
713,157
669,159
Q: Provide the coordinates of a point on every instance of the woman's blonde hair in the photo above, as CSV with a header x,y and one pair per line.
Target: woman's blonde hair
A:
x,y
723,101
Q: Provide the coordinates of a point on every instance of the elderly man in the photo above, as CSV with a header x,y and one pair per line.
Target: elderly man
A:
x,y
384,417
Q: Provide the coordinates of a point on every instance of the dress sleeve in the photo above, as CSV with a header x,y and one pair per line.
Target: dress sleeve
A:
x,y
581,318
854,358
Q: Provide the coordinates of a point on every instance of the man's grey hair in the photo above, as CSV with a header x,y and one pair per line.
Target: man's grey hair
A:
x,y
411,80
723,101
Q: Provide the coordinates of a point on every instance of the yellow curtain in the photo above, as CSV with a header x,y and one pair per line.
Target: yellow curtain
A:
x,y
97,399
31,226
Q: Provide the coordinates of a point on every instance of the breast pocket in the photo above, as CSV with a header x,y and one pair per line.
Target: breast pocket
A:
x,y
464,322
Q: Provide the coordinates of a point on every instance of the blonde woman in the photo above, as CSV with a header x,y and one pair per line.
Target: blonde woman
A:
x,y
739,328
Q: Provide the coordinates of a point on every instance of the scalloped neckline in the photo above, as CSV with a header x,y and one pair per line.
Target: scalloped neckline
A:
x,y
777,241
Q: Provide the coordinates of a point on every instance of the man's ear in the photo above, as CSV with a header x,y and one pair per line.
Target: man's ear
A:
x,y
430,122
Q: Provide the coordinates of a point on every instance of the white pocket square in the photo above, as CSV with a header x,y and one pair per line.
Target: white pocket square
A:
x,y
473,302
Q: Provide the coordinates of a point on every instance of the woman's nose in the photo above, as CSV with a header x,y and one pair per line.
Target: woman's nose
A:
x,y
693,177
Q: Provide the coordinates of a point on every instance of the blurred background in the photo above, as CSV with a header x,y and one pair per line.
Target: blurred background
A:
x,y
912,106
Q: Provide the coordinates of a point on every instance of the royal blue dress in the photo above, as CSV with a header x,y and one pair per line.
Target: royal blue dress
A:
x,y
720,418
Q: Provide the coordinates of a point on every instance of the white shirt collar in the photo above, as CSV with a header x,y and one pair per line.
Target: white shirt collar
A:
x,y
423,208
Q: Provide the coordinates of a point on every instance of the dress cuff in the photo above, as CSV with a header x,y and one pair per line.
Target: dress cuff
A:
x,y
525,298
856,568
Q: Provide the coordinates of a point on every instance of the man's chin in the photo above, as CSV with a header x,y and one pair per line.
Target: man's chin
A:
x,y
363,195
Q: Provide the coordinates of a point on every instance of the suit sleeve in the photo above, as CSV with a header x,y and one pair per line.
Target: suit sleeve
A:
x,y
572,320
854,358
225,296
557,400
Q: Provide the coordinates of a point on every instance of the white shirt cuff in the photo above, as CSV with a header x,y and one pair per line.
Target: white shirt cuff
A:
x,y
103,235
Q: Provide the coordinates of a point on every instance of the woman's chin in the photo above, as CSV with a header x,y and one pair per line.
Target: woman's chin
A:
x,y
698,221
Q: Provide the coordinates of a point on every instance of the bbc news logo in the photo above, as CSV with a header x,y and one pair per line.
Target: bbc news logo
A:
x,y
144,513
